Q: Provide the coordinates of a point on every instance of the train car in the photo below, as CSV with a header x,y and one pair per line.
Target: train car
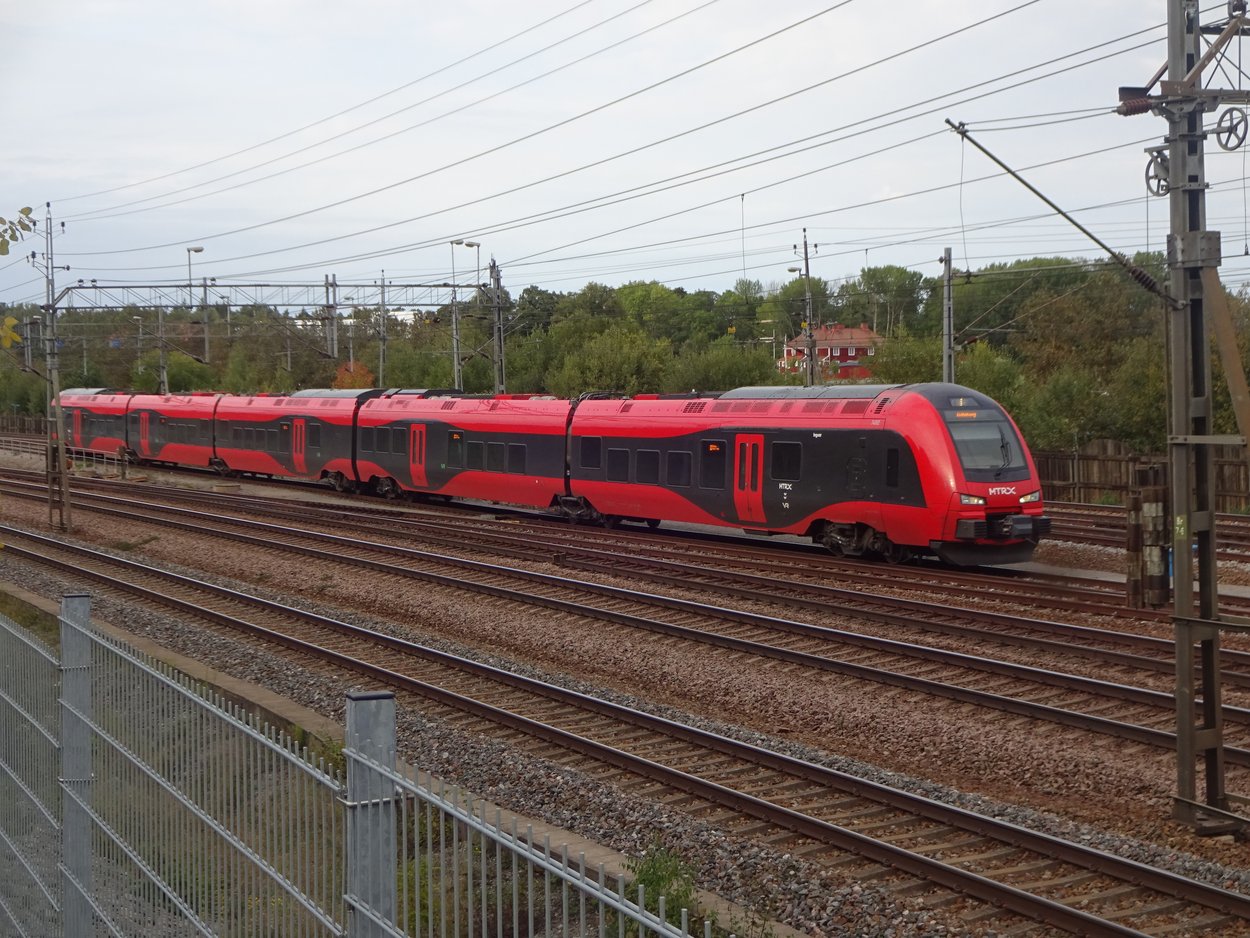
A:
x,y
887,470
176,429
304,435
172,429
893,471
506,448
95,420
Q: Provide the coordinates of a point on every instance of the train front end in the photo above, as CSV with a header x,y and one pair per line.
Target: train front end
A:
x,y
996,514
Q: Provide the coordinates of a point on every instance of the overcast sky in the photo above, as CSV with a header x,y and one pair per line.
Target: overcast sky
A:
x,y
684,141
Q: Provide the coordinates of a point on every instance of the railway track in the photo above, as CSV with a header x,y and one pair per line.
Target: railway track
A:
x,y
795,579
1012,876
1106,525
530,537
1115,703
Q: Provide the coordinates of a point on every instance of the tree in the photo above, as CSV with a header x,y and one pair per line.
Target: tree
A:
x,y
535,309
726,363
888,298
622,359
988,302
908,359
354,375
595,300
12,229
992,372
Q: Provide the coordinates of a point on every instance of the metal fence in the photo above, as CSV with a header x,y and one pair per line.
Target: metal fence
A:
x,y
133,802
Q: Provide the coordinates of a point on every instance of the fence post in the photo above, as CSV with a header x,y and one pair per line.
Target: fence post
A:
x,y
1133,549
76,914
370,829
1156,533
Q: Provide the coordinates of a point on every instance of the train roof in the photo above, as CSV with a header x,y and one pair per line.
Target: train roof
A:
x,y
794,392
359,394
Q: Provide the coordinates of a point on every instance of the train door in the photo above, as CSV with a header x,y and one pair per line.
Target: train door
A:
x,y
298,437
416,454
749,477
76,440
145,440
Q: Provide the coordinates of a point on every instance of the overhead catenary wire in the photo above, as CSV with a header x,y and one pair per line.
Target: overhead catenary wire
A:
x,y
374,254
741,231
337,114
112,211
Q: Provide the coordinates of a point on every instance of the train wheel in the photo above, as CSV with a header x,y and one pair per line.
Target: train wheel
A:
x,y
896,554
653,523
611,521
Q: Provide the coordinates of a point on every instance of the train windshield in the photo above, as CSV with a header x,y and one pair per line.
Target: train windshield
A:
x,y
988,449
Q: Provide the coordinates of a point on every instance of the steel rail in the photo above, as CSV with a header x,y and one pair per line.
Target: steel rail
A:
x,y
1035,907
1144,734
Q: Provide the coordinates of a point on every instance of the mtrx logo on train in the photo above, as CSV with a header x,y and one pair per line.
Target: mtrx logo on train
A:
x,y
885,471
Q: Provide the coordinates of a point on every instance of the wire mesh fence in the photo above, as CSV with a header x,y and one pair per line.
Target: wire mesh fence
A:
x,y
134,802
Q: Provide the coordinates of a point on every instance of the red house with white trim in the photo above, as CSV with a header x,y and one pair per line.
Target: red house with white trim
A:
x,y
843,353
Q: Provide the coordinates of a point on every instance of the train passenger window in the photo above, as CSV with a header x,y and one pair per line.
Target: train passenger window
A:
x,y
366,439
677,470
399,439
477,454
712,464
516,457
891,467
273,441
496,456
284,439
455,449
313,439
618,465
647,467
787,461
592,452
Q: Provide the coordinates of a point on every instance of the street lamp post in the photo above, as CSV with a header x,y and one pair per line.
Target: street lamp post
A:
x,y
351,337
160,319
457,378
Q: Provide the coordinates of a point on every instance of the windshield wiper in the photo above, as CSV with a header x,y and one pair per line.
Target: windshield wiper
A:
x,y
1004,447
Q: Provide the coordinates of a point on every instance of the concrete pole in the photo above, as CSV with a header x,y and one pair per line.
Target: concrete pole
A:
x,y
948,320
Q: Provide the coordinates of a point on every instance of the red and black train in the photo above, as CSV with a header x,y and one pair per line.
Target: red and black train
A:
x,y
893,471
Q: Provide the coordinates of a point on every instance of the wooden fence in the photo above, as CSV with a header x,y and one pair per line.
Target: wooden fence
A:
x,y
1103,472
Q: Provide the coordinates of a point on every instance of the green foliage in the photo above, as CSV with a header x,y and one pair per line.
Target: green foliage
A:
x,y
1067,411
908,359
12,229
660,872
888,298
621,359
1073,349
726,363
991,372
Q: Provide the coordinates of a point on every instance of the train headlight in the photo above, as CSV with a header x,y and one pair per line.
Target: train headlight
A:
x,y
1031,498
971,500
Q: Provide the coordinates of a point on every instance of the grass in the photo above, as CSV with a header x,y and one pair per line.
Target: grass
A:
x,y
45,625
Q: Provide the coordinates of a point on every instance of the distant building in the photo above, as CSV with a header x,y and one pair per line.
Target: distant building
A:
x,y
843,353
